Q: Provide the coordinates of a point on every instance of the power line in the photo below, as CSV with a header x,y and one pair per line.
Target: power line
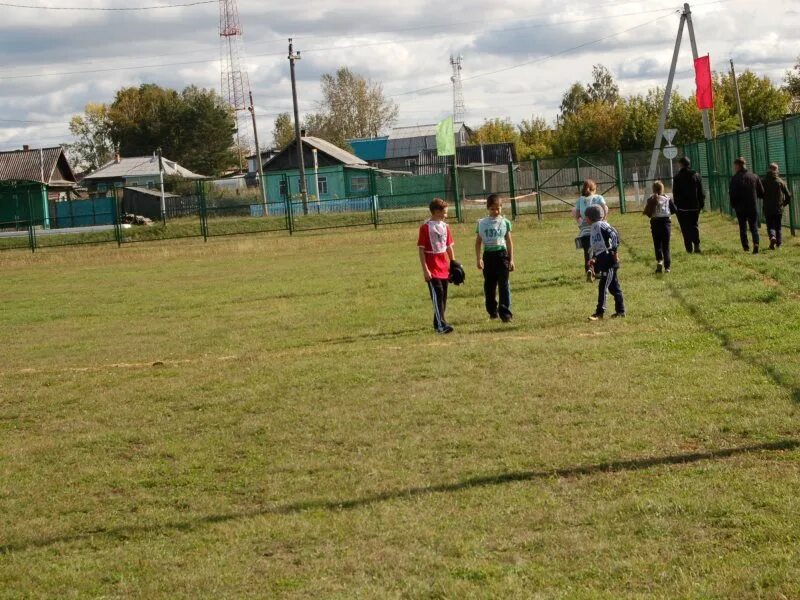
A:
x,y
98,9
538,60
340,47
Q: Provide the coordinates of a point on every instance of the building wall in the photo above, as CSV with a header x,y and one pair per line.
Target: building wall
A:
x,y
342,182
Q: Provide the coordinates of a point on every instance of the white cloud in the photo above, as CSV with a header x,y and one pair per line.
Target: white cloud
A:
x,y
405,45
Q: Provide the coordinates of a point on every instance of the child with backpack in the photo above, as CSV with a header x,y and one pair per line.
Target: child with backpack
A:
x,y
660,209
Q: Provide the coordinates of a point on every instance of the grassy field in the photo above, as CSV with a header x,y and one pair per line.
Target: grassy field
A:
x,y
270,416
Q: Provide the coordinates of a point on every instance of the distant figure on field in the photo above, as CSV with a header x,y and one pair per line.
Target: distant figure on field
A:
x,y
435,243
589,197
776,196
690,199
604,261
497,261
660,209
745,190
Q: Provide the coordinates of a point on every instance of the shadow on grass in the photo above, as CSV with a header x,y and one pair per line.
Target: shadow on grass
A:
x,y
124,532
728,344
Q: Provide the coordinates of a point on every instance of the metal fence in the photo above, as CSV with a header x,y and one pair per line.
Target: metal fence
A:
x,y
537,188
777,142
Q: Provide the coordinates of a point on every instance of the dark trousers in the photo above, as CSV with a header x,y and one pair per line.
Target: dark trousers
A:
x,y
661,229
586,243
495,275
608,282
438,291
774,227
690,230
748,219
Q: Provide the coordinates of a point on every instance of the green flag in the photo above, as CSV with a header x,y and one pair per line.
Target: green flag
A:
x,y
445,138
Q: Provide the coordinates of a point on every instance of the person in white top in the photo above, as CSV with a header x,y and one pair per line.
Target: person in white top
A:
x,y
589,197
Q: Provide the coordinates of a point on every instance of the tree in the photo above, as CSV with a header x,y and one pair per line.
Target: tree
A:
x,y
499,131
594,127
573,99
792,85
194,127
94,146
351,107
536,139
603,88
641,120
762,100
283,131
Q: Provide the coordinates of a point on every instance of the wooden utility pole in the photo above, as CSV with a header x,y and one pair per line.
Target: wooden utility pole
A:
x,y
261,181
293,57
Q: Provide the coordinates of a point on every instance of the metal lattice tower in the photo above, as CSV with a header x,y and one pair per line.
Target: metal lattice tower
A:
x,y
235,84
459,110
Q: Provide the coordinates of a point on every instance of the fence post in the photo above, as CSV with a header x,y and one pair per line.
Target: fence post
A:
x,y
200,190
31,232
373,188
620,183
536,180
456,193
117,224
512,190
793,203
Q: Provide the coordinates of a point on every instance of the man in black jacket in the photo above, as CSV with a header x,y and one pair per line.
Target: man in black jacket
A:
x,y
689,197
745,190
776,196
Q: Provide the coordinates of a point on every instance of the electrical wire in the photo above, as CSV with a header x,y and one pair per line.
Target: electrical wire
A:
x,y
109,9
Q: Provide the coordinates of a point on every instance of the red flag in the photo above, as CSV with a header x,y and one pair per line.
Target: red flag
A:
x,y
705,90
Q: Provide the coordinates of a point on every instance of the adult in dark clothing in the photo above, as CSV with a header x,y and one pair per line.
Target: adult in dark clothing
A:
x,y
689,197
745,190
776,196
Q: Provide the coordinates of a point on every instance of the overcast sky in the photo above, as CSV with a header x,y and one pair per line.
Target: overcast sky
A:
x,y
47,57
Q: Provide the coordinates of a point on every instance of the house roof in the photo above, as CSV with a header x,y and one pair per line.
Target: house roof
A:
x,y
139,166
407,142
149,192
414,131
28,165
343,156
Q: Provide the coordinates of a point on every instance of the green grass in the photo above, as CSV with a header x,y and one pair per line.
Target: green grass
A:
x,y
271,416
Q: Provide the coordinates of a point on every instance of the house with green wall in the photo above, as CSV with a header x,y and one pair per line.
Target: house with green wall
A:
x,y
341,175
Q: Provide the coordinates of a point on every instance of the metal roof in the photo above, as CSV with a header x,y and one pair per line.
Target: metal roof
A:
x,y
333,151
149,192
28,165
140,166
408,142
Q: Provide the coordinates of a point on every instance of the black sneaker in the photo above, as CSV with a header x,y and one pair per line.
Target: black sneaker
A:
x,y
445,329
659,268
618,316
755,249
667,270
697,250
493,315
506,318
746,248
773,243
596,317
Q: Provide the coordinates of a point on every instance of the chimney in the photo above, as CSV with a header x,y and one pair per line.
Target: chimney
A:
x,y
25,147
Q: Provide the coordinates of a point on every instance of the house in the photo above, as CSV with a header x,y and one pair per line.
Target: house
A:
x,y
32,178
251,177
402,147
139,171
340,173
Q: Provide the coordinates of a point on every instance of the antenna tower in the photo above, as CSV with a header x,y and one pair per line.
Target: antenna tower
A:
x,y
234,81
459,110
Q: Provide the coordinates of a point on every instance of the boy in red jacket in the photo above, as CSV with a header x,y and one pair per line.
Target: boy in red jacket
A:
x,y
435,244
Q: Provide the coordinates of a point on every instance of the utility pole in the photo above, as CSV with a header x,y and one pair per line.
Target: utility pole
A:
x,y
688,12
738,98
686,20
261,181
161,178
293,57
662,121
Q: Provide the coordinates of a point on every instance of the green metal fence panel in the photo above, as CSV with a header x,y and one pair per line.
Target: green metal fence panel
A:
x,y
404,198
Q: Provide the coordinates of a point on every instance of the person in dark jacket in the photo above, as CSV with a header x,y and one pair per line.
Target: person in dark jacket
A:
x,y
745,190
687,191
776,196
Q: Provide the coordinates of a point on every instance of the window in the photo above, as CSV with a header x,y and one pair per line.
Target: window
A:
x,y
323,186
150,185
102,188
359,184
282,189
